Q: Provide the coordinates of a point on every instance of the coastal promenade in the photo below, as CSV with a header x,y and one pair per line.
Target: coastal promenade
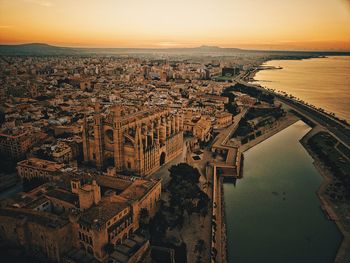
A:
x,y
338,129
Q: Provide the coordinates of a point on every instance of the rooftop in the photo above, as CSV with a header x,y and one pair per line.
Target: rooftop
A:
x,y
100,214
40,163
13,133
41,218
63,195
37,202
138,189
129,247
112,182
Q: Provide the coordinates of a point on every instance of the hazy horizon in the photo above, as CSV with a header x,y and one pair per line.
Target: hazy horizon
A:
x,y
315,25
169,48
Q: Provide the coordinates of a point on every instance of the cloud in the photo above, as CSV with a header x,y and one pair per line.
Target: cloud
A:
x,y
44,3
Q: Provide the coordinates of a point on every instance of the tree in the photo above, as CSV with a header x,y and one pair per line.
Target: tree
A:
x,y
158,226
183,171
143,217
185,193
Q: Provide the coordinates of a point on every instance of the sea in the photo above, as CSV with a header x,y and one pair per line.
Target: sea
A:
x,y
322,82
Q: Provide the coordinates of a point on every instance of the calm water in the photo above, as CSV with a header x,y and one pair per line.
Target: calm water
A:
x,y
323,82
261,226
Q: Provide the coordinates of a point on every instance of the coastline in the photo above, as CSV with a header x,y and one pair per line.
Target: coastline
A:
x,y
342,255
344,247
250,79
252,74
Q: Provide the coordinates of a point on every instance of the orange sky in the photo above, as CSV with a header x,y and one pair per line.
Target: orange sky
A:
x,y
252,24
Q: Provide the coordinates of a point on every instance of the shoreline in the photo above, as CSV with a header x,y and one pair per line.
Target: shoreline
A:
x,y
344,246
345,243
250,79
341,255
252,74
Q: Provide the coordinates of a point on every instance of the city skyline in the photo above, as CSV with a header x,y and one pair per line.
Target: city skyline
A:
x,y
271,25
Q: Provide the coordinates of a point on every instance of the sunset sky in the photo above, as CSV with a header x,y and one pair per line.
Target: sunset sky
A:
x,y
251,24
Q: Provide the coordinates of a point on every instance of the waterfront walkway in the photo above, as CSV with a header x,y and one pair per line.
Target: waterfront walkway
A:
x,y
338,129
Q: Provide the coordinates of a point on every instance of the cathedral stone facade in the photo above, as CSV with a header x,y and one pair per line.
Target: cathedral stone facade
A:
x,y
137,141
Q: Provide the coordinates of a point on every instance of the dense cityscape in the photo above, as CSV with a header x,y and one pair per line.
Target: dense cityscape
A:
x,y
180,131
122,158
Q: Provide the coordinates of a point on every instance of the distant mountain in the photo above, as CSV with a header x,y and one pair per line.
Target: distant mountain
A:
x,y
36,49
40,49
216,48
